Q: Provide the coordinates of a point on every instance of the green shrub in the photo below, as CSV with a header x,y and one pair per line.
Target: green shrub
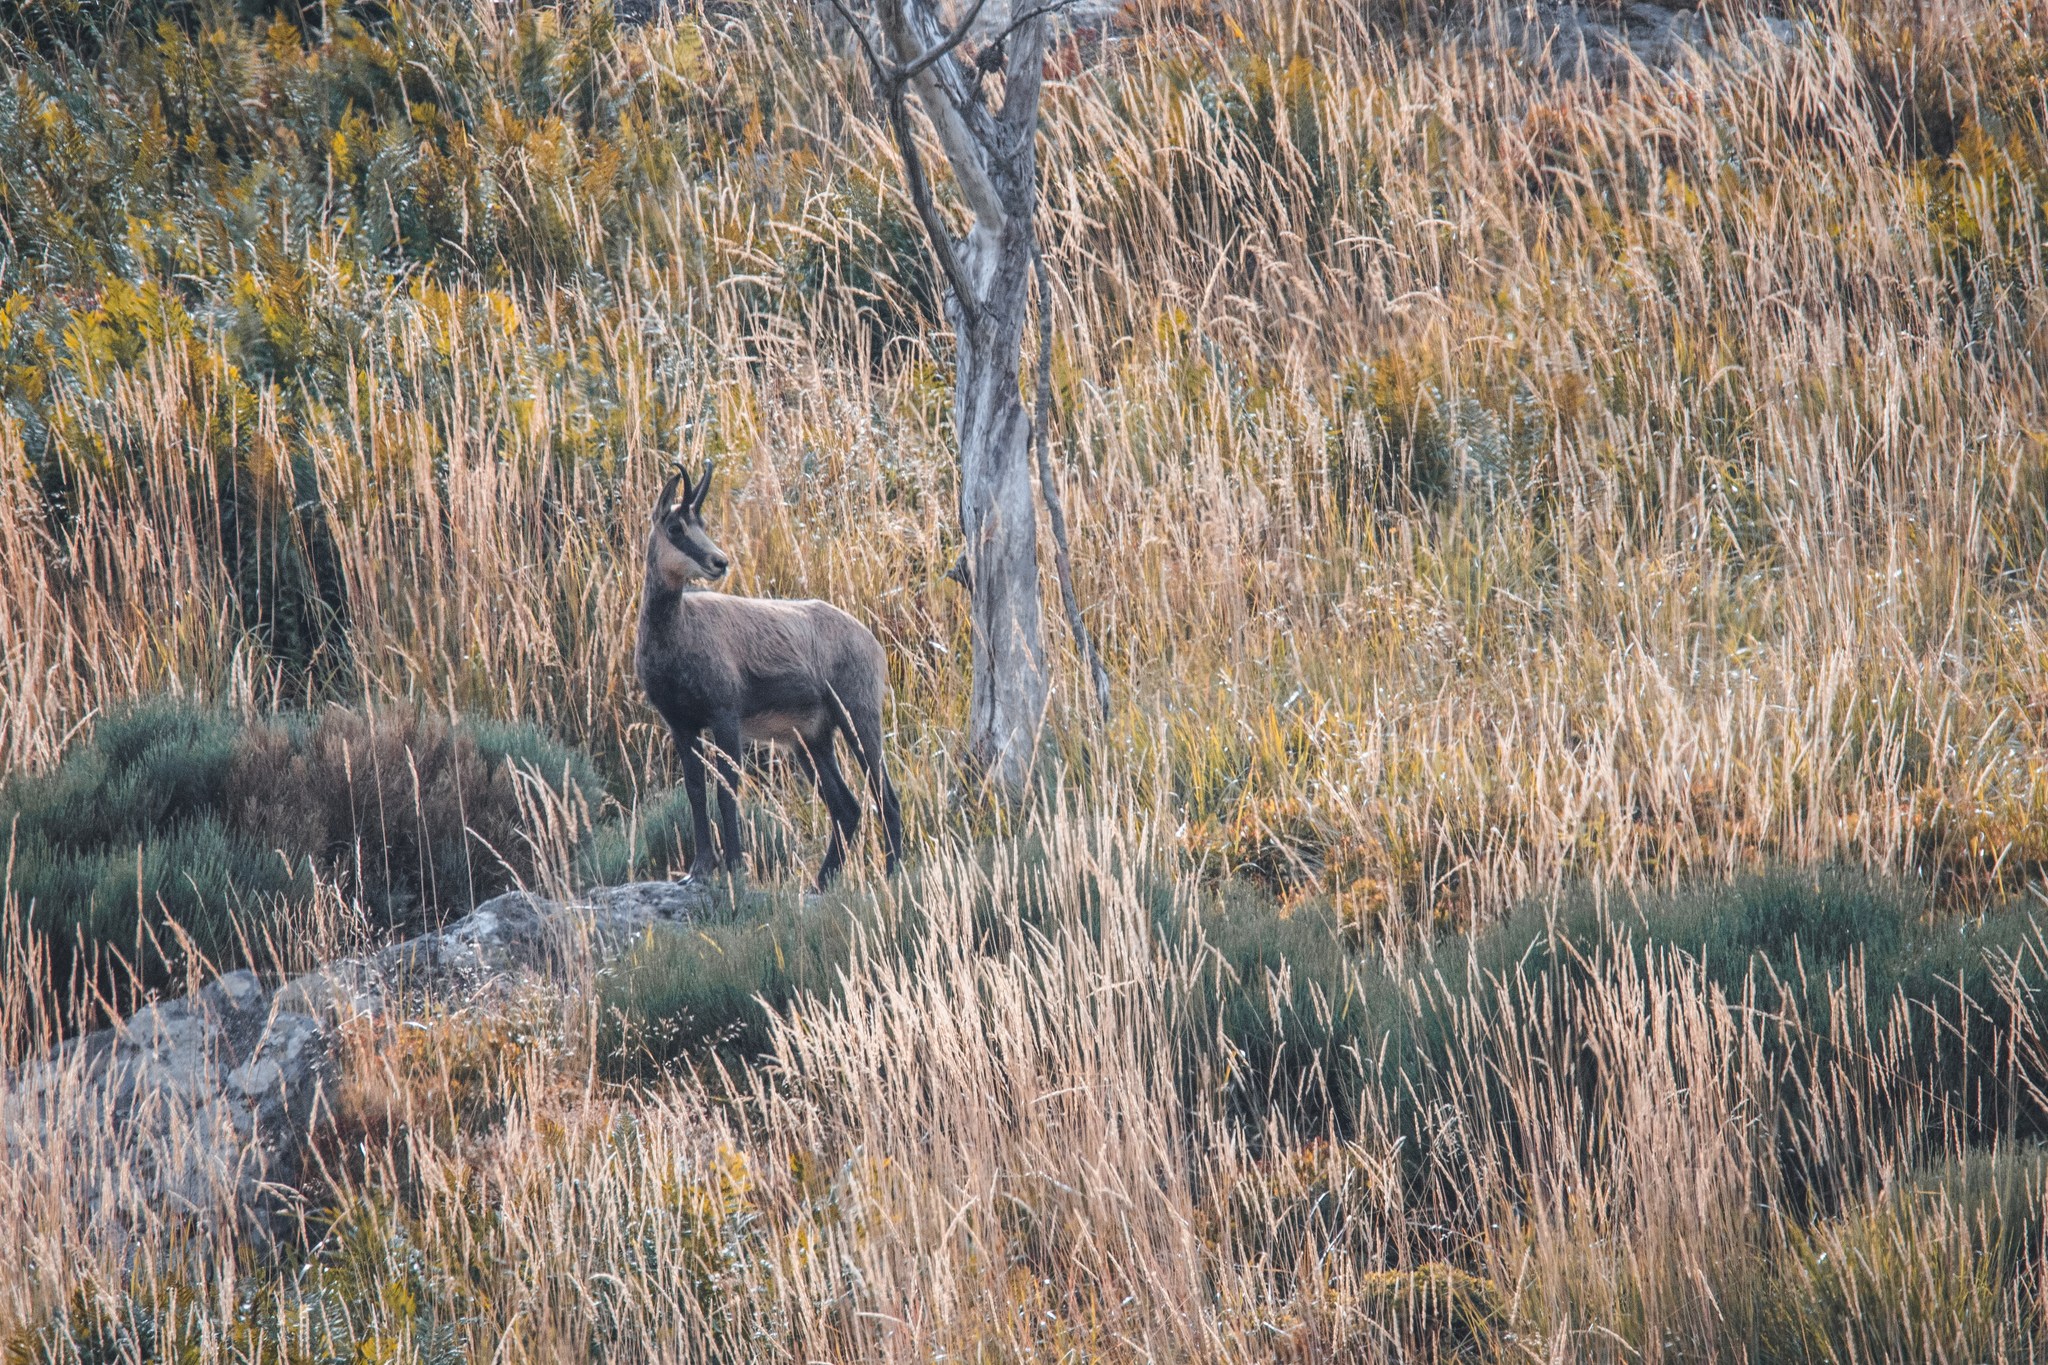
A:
x,y
174,812
685,991
1927,1270
1949,1043
648,841
1291,1023
128,833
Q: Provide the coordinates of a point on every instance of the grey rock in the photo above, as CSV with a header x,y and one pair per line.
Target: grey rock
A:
x,y
332,991
623,911
506,932
195,1106
203,1107
1575,41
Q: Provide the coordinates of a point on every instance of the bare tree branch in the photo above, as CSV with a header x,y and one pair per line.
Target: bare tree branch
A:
x,y
942,79
947,44
890,71
1063,554
963,125
928,213
1023,79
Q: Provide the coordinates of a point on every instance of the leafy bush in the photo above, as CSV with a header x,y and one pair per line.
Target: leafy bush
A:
x,y
1946,1248
131,832
173,812
1292,1022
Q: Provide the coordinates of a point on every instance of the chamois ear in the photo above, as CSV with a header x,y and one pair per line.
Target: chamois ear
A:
x,y
696,500
666,498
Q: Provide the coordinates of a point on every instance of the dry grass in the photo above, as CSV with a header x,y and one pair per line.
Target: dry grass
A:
x,y
1478,482
1026,1154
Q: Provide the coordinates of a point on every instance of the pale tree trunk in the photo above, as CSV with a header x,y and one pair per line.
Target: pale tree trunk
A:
x,y
998,518
993,156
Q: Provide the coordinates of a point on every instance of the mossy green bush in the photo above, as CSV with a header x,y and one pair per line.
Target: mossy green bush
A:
x,y
1936,1024
686,992
1946,1250
1292,1022
177,813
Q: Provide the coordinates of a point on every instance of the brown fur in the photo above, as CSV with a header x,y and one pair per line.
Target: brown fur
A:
x,y
793,674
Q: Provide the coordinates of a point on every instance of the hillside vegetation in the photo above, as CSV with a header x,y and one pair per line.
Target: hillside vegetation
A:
x,y
1572,555
1477,479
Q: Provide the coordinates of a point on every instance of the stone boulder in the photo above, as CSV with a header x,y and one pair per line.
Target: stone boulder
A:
x,y
202,1107
1602,42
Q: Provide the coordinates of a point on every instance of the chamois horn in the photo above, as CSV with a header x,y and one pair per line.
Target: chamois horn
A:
x,y
666,498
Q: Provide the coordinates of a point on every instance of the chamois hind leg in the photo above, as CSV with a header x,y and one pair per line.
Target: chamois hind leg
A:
x,y
865,730
818,760
725,762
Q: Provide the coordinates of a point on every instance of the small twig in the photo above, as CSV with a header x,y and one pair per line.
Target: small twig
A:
x,y
1016,126
1063,555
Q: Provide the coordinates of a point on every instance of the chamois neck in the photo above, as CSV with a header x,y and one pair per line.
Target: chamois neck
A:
x,y
656,591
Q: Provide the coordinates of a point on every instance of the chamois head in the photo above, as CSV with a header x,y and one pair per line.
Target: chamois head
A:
x,y
678,548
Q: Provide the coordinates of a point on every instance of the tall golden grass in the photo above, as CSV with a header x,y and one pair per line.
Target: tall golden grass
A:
x,y
1479,481
1478,478
1027,1153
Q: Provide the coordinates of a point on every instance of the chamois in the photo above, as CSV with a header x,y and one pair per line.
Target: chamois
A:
x,y
790,674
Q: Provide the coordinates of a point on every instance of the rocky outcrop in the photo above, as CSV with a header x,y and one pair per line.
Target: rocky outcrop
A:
x,y
202,1107
1603,42
1596,40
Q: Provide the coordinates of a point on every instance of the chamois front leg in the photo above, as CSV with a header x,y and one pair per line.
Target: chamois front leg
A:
x,y
725,759
701,860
